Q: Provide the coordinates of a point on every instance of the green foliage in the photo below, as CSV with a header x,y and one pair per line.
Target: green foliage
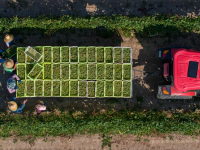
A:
x,y
100,54
126,89
100,71
47,54
109,71
118,55
91,89
118,71
65,88
73,71
64,54
127,72
82,71
47,88
73,88
65,71
56,71
82,88
38,88
20,55
91,54
29,88
39,49
28,68
118,88
56,88
126,55
91,71
109,55
100,89
47,71
21,89
74,54
123,122
21,71
82,54
56,54
35,71
109,88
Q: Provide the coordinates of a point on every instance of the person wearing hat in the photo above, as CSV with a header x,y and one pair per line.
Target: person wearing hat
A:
x,y
13,106
12,84
10,41
40,107
9,65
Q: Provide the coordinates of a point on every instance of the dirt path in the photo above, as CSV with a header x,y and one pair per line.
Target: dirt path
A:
x,y
33,8
94,142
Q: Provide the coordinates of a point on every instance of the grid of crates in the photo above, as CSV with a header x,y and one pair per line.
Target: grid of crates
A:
x,y
75,72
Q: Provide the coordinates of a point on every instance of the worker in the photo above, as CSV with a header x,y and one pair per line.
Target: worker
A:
x,y
11,83
14,107
1,56
40,107
10,41
9,65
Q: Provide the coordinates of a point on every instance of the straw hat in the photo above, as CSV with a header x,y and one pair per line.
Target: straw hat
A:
x,y
12,105
8,38
8,63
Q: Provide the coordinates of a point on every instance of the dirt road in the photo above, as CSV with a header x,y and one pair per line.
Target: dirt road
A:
x,y
85,142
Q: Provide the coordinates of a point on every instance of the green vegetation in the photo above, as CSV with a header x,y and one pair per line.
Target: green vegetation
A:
x,y
109,55
126,55
91,71
100,89
56,88
65,71
35,71
82,54
29,88
74,54
83,88
38,88
118,55
21,89
91,89
56,71
47,54
47,88
126,89
109,88
33,54
118,88
73,71
127,72
65,88
39,49
100,54
56,54
21,71
109,71
9,52
91,54
21,55
29,59
100,71
64,54
118,72
47,71
111,122
29,67
73,88
82,71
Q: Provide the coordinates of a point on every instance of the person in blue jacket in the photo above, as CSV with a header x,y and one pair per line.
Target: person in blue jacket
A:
x,y
13,106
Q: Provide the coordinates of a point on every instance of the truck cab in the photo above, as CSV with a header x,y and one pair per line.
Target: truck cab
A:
x,y
181,72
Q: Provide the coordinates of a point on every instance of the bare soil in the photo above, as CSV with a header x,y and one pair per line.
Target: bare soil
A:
x,y
94,142
34,8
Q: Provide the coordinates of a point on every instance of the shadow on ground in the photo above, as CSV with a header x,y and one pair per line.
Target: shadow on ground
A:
x,y
34,8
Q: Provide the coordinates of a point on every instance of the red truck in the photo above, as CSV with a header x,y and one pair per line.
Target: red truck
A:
x,y
181,72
